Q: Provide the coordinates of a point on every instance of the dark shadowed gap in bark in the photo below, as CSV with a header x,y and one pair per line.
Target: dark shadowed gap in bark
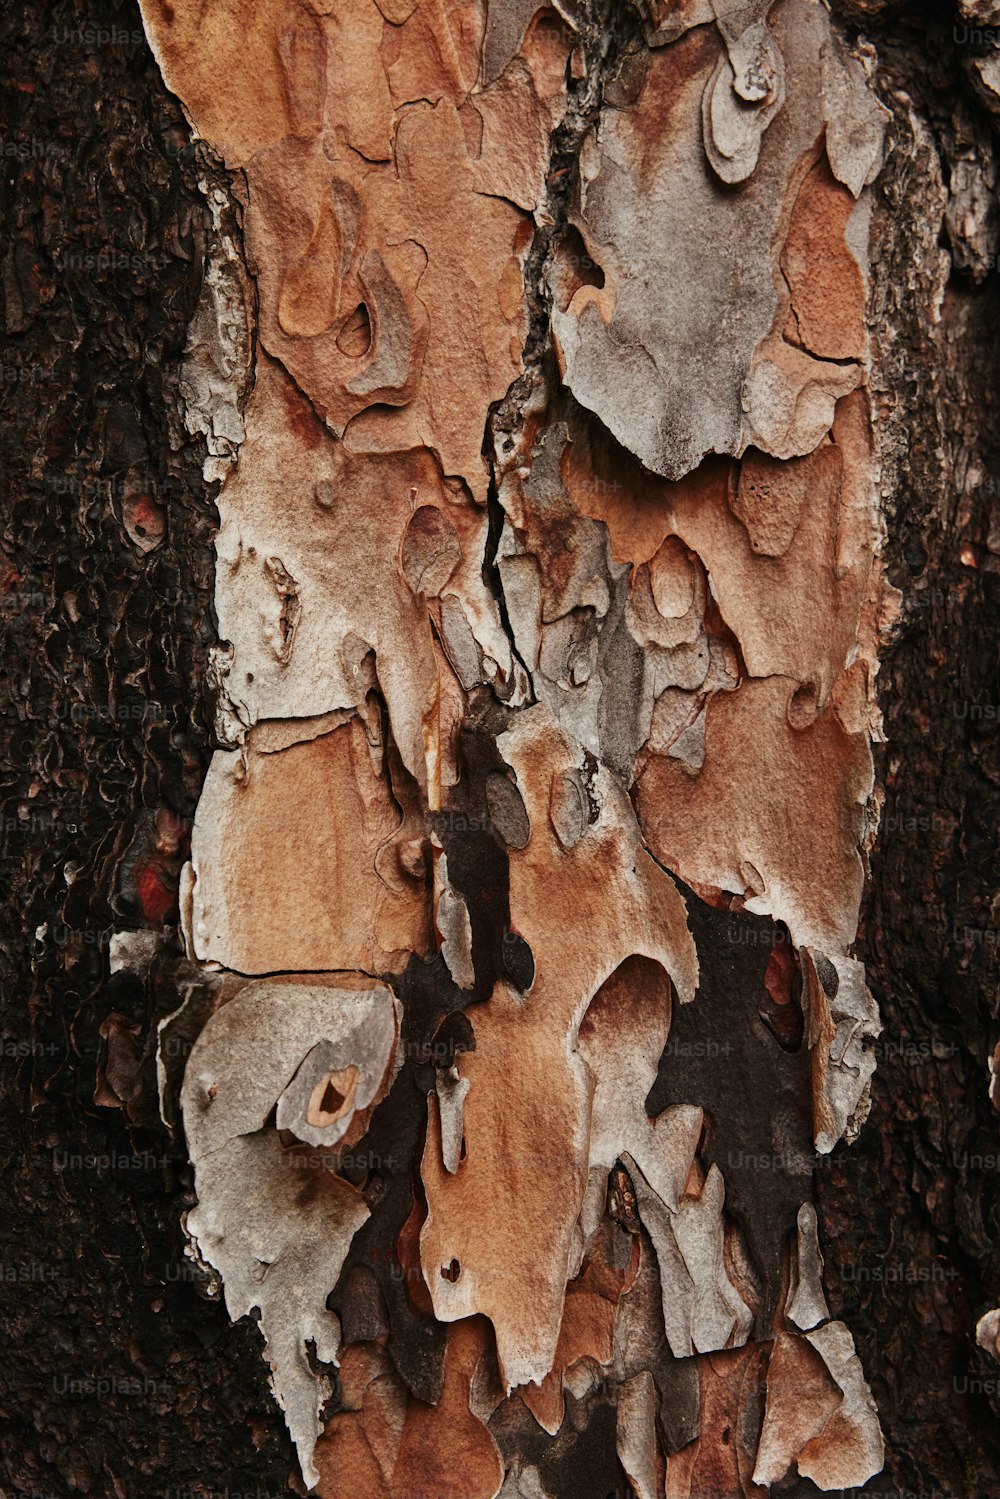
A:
x,y
121,1373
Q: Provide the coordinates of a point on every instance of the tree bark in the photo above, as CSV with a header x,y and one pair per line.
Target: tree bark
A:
x,y
459,467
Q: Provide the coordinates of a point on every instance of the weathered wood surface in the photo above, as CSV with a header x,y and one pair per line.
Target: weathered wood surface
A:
x,y
491,810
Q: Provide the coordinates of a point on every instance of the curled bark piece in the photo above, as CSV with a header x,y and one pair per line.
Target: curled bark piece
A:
x,y
339,1078
455,928
741,98
281,634
806,1305
988,1333
702,1310
451,1091
277,1231
855,119
675,376
623,1035
841,1021
802,1397
819,1413
850,1449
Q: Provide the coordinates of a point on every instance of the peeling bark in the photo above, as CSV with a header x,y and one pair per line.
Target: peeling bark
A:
x,y
501,922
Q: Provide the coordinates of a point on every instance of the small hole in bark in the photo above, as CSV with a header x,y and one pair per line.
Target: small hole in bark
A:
x,y
332,1099
451,1271
249,676
462,1152
725,1436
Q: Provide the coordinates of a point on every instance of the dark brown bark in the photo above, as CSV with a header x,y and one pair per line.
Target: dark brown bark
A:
x,y
911,1212
103,243
107,742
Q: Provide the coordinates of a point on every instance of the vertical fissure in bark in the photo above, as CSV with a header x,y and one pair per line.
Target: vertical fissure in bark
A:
x,y
506,1000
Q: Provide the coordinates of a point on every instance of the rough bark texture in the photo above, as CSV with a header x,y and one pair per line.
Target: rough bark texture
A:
x,y
552,1061
914,1206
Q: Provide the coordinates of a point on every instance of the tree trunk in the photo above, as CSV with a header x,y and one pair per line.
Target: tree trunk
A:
x,y
500,769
